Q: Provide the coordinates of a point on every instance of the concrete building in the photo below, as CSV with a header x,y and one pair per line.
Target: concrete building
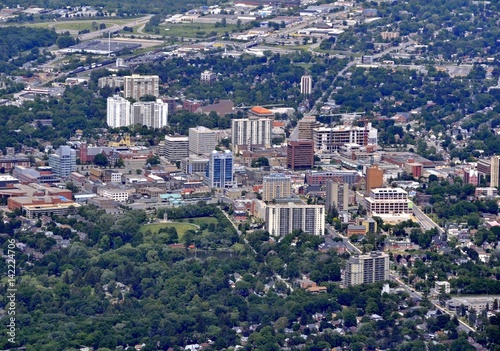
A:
x,y
495,171
202,140
208,77
300,154
388,201
194,164
276,186
366,269
306,85
251,131
118,112
321,177
374,178
220,170
136,86
116,194
330,139
63,161
337,195
306,126
174,148
153,114
111,81
282,219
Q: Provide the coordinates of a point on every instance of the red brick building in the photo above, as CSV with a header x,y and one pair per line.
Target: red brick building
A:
x,y
300,154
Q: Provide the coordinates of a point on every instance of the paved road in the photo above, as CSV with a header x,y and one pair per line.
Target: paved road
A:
x,y
350,246
425,221
462,325
116,27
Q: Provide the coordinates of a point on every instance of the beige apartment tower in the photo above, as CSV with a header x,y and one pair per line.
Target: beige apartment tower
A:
x,y
136,86
306,126
276,186
366,269
495,171
337,195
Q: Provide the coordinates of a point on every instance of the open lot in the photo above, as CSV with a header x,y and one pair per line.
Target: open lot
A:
x,y
179,226
194,30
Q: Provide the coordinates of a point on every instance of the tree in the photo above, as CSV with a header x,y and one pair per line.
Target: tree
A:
x,y
260,162
101,160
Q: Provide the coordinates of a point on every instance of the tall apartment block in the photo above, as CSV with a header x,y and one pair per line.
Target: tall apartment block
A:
x,y
276,186
366,269
306,85
220,170
300,154
495,171
251,131
282,219
306,126
174,147
374,178
330,139
118,112
337,195
208,77
153,114
63,161
136,86
202,140
388,201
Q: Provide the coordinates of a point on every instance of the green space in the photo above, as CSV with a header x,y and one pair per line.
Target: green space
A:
x,y
180,227
200,221
195,30
80,24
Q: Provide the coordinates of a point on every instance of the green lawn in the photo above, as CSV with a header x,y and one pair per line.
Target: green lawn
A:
x,y
194,30
200,220
180,227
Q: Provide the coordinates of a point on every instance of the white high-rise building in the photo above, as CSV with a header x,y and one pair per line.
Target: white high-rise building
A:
x,y
388,202
118,112
251,131
174,148
306,85
495,171
332,138
63,161
366,269
136,86
201,140
282,219
153,114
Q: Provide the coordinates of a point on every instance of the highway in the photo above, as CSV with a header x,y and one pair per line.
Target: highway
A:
x,y
425,221
115,28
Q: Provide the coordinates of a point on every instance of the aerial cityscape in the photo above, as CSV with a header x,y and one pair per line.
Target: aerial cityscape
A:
x,y
312,175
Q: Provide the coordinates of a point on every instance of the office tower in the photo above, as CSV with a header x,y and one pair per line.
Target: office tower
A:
x,y
321,177
306,126
251,131
136,86
208,77
220,170
300,154
118,112
174,148
374,178
388,201
337,195
495,171
306,85
282,219
201,140
63,161
276,186
153,114
330,139
366,269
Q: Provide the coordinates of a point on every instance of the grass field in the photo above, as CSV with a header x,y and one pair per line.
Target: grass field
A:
x,y
194,30
78,25
200,220
181,227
